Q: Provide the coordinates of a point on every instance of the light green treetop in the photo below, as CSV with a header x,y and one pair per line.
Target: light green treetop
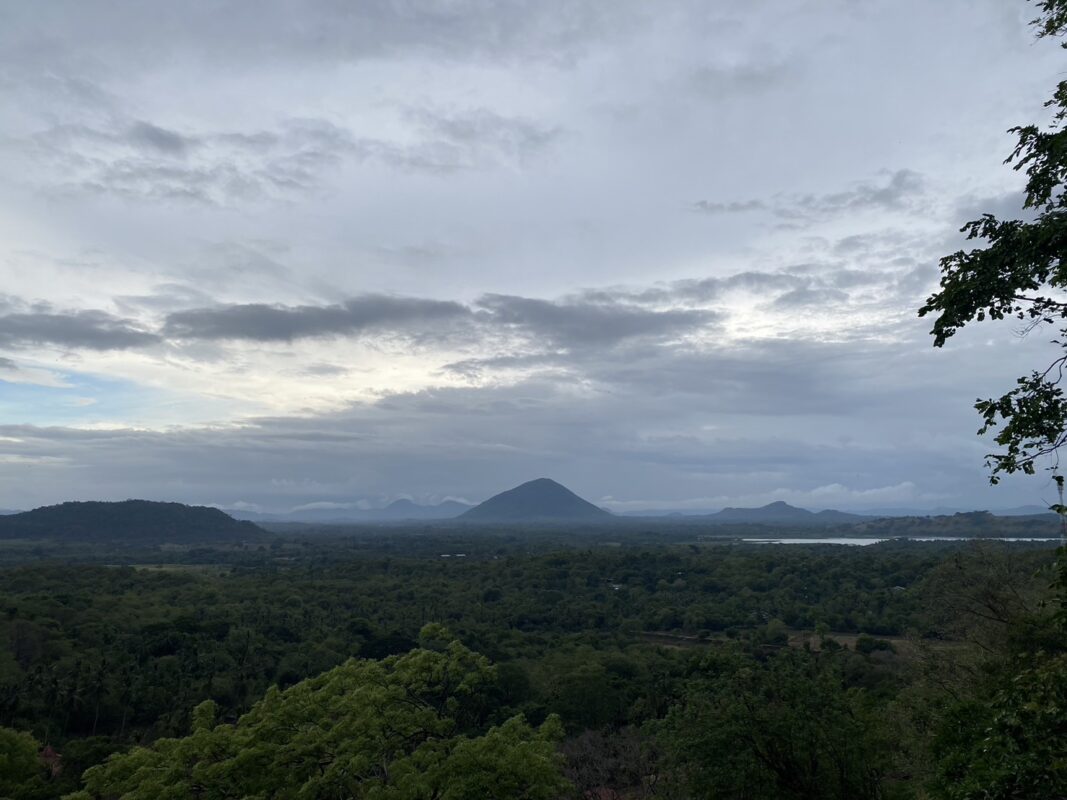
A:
x,y
403,728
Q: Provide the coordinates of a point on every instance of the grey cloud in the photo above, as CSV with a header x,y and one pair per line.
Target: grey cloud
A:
x,y
113,133
703,290
866,245
267,323
901,191
765,377
573,323
156,138
751,377
91,330
524,332
164,297
8,363
851,278
142,160
570,324
1004,206
474,368
577,323
58,93
324,370
423,255
716,81
894,248
460,141
317,31
897,193
917,281
798,286
751,280
134,180
799,298
734,207
471,140
891,268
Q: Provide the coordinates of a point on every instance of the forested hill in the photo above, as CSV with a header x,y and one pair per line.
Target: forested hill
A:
x,y
132,521
783,513
970,523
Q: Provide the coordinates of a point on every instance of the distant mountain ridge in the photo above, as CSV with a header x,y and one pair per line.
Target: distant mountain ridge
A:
x,y
783,513
129,521
538,500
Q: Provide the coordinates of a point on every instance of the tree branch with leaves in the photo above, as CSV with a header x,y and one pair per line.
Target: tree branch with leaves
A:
x,y
1020,273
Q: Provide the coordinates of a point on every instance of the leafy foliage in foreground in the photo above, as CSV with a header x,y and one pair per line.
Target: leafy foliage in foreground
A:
x,y
403,727
1020,273
1013,745
20,767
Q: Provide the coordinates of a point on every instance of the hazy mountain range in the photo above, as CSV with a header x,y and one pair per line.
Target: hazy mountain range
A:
x,y
397,511
545,499
542,500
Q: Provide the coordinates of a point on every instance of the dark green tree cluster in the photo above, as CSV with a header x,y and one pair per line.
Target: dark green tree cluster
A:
x,y
785,727
125,653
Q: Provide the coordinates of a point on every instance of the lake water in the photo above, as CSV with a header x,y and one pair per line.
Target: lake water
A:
x,y
863,542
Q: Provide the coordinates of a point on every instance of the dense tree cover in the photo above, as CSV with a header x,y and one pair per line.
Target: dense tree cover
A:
x,y
786,727
1020,273
983,717
1008,737
640,652
117,651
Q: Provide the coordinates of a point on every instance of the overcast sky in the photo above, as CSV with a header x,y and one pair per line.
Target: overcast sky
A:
x,y
285,254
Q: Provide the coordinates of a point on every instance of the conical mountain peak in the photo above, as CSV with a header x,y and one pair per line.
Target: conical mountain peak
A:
x,y
539,499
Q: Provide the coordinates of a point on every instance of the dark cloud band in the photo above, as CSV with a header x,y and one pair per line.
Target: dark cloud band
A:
x,y
89,330
267,323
